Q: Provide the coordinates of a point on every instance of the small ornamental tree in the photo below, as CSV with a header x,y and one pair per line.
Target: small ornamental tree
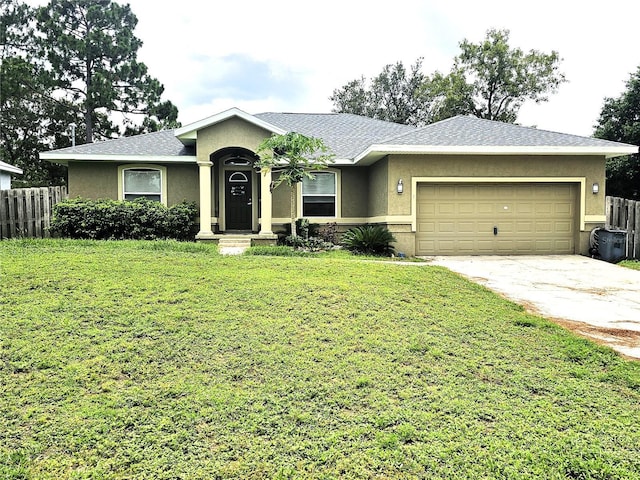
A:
x,y
293,156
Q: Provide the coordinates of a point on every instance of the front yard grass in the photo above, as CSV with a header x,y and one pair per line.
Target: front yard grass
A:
x,y
165,360
634,264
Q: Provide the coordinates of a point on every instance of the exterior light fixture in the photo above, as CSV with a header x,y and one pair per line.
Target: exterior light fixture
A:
x,y
400,187
595,188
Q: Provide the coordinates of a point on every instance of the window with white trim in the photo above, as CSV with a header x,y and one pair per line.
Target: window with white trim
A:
x,y
319,195
142,183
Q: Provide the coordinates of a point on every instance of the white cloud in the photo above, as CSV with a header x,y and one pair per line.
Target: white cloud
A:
x,y
309,49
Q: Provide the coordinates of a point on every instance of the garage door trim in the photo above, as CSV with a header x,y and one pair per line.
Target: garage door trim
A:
x,y
416,180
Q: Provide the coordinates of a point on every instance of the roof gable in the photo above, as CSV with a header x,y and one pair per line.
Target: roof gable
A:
x,y
189,133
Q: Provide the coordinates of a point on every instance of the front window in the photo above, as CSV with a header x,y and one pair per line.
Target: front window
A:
x,y
142,183
319,195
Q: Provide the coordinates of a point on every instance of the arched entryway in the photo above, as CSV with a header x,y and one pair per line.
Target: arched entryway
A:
x,y
238,201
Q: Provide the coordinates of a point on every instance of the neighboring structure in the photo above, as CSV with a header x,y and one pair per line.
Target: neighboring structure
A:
x,y
6,171
459,186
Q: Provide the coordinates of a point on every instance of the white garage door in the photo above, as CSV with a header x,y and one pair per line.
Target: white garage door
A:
x,y
498,219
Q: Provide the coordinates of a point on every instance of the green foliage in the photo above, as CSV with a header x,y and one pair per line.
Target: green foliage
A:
x,y
620,121
142,360
70,62
117,220
369,240
489,80
92,53
394,95
30,121
329,233
292,156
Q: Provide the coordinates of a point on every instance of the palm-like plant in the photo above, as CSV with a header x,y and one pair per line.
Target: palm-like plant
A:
x,y
369,240
293,156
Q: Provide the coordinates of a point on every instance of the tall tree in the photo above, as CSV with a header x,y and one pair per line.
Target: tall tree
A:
x,y
292,156
92,53
29,118
492,80
394,95
489,80
620,121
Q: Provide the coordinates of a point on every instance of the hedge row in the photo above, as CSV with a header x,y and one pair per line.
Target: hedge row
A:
x,y
140,219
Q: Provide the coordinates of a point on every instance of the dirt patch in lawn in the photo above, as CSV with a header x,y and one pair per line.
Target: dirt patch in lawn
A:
x,y
610,337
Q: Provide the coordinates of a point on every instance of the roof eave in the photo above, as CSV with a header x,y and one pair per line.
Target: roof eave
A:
x,y
11,169
189,133
375,152
64,159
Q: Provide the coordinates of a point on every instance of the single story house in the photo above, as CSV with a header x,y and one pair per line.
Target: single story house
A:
x,y
460,186
6,171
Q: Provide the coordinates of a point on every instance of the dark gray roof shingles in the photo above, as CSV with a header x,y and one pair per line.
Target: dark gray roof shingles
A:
x,y
345,134
163,143
349,135
471,131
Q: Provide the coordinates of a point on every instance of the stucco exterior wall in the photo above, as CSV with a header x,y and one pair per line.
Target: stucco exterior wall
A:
x,y
379,192
96,180
93,180
408,166
182,184
233,132
281,200
355,192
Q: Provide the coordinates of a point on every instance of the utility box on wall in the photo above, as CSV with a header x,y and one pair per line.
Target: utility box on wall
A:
x,y
612,245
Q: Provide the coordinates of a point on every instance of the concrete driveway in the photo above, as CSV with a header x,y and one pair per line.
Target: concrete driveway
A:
x,y
591,297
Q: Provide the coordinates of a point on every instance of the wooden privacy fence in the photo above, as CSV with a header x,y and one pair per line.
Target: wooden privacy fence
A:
x,y
26,212
624,214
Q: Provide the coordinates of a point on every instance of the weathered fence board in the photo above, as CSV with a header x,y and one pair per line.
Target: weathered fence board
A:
x,y
26,212
624,214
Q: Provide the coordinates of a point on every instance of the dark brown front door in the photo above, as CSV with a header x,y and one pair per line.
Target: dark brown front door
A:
x,y
238,208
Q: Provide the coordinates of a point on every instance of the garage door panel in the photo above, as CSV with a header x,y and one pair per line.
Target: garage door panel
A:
x,y
531,218
467,208
563,227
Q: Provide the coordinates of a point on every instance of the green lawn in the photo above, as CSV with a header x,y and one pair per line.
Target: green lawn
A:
x,y
163,361
634,264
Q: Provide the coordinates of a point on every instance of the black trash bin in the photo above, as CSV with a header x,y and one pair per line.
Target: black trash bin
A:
x,y
612,245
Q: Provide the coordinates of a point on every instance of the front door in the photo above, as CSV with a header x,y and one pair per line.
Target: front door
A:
x,y
238,208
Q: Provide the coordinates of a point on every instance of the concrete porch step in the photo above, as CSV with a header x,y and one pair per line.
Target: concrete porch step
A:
x,y
233,245
234,242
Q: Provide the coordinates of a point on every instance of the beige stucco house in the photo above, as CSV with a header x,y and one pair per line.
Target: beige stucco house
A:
x,y
459,186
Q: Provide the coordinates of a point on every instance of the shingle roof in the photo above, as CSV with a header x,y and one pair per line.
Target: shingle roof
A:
x,y
472,131
163,143
351,137
344,133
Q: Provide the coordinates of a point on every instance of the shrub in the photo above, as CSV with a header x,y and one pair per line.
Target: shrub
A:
x,y
140,219
304,228
312,244
329,233
369,240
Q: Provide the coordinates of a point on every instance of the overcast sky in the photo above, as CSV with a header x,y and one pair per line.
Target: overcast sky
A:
x,y
289,55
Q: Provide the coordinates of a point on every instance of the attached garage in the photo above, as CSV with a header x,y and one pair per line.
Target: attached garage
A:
x,y
497,218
